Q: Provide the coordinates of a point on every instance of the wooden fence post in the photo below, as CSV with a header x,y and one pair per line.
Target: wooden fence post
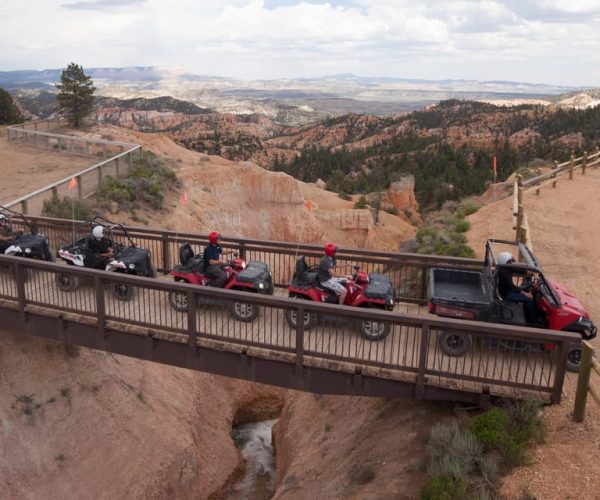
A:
x,y
583,381
571,165
584,162
520,212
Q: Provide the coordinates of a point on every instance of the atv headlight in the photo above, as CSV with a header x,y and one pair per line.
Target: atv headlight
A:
x,y
261,285
28,250
131,266
390,301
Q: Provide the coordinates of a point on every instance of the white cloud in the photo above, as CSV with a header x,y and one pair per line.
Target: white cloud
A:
x,y
470,39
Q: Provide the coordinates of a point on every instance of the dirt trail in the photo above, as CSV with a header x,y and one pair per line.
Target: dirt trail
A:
x,y
566,237
26,168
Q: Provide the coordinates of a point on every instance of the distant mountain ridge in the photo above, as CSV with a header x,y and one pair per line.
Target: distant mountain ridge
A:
x,y
160,73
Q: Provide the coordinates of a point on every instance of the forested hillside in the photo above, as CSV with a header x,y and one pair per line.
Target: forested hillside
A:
x,y
448,148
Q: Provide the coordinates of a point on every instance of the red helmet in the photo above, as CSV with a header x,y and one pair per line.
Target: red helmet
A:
x,y
330,249
213,237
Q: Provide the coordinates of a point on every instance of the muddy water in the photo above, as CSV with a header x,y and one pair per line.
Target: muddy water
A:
x,y
254,442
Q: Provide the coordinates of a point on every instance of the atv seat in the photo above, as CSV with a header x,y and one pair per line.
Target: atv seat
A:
x,y
303,276
185,253
512,312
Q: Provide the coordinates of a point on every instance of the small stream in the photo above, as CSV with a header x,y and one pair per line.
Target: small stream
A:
x,y
254,442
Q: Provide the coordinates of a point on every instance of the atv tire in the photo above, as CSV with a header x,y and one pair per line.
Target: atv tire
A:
x,y
123,291
67,282
454,344
574,358
374,330
178,301
310,319
244,311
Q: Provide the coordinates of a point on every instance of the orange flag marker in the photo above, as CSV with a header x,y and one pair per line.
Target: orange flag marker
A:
x,y
495,167
184,198
72,183
308,204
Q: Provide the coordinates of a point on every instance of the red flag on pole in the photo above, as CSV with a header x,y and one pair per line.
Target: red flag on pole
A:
x,y
495,167
184,198
72,183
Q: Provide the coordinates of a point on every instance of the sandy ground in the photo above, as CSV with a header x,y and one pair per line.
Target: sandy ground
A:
x,y
565,237
32,168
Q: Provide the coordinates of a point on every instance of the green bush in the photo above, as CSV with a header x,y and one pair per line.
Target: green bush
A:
x,y
458,238
491,428
426,234
461,226
444,487
452,451
147,181
361,203
394,211
510,430
345,196
454,250
467,208
66,208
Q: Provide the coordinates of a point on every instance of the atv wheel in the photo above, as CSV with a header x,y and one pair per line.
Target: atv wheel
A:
x,y
374,330
243,311
67,282
574,359
310,319
178,301
455,343
122,291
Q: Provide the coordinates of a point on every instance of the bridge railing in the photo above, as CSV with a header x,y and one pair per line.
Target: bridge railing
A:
x,y
502,360
408,272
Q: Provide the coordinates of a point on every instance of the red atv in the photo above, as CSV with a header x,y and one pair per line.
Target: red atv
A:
x,y
252,277
364,290
457,293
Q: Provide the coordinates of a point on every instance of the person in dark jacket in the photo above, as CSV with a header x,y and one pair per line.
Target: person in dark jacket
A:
x,y
7,235
328,277
212,260
511,292
101,247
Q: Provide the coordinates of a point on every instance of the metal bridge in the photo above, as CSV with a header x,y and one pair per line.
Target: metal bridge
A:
x,y
329,358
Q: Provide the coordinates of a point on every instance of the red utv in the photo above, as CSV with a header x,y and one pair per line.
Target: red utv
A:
x,y
253,277
364,290
456,293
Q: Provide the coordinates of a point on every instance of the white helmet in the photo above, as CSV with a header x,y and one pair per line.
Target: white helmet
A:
x,y
3,218
504,258
98,232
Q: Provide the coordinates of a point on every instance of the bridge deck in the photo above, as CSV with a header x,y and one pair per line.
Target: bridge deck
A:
x,y
334,343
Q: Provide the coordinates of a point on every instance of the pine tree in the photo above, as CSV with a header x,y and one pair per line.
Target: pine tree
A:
x,y
76,93
9,113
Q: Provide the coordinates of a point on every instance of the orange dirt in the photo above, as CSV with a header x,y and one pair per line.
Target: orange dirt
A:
x,y
565,231
26,168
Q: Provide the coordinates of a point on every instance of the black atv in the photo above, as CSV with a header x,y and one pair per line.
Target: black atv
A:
x,y
31,245
126,259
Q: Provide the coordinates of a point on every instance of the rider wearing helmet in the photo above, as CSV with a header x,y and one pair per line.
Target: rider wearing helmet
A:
x,y
101,246
212,260
7,235
326,273
511,292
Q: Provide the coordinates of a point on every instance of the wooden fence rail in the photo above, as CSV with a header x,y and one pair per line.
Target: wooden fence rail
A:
x,y
117,159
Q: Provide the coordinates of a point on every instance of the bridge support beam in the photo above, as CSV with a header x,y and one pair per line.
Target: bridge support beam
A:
x,y
255,369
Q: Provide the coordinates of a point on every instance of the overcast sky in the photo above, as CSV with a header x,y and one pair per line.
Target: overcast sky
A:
x,y
538,41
